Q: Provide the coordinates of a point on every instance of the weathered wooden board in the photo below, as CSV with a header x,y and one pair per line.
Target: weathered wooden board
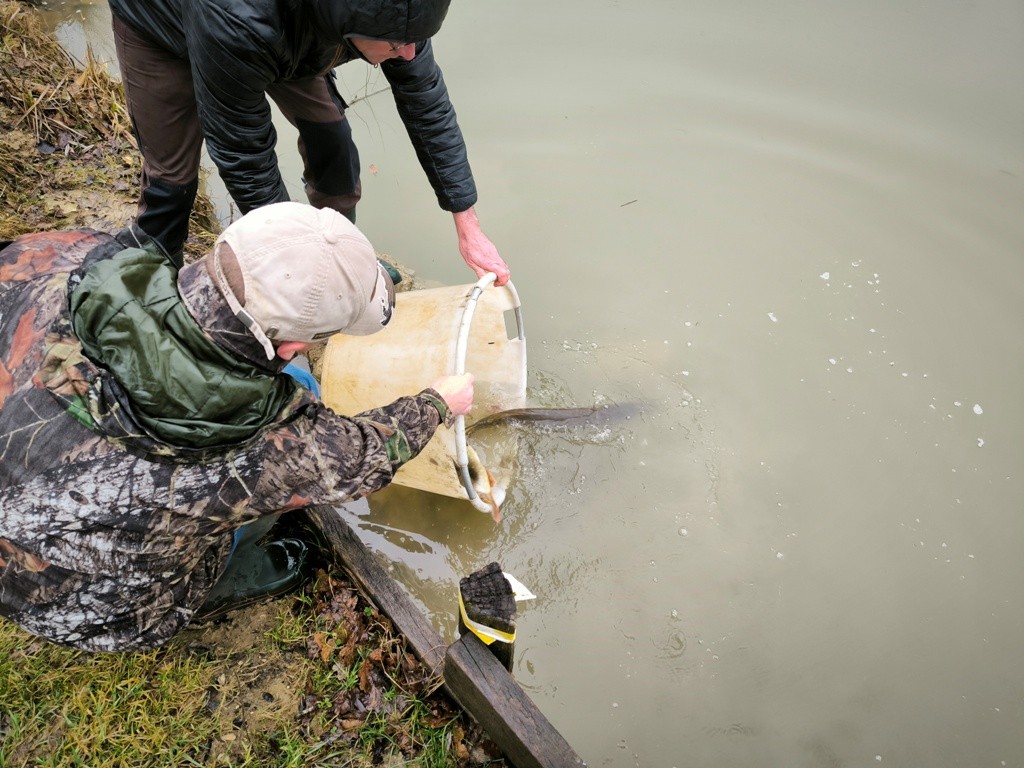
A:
x,y
376,584
471,673
484,688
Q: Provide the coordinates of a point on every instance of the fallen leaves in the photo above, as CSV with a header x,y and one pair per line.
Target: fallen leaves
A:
x,y
377,682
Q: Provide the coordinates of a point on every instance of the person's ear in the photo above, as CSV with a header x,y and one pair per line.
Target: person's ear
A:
x,y
286,350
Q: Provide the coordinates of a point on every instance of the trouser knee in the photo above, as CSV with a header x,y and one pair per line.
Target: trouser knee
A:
x,y
331,162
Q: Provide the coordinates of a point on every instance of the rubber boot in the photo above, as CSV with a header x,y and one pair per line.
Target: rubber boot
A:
x,y
256,571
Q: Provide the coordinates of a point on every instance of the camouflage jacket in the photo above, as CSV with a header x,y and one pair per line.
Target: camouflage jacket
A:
x,y
110,538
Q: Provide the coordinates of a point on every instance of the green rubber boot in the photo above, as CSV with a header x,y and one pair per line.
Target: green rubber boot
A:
x,y
254,573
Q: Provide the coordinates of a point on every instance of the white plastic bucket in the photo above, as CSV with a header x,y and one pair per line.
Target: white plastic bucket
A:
x,y
435,332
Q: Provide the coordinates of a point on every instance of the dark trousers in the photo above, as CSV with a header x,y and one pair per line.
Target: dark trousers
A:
x,y
162,106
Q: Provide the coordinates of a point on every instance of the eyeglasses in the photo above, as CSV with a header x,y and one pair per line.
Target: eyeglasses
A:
x,y
395,47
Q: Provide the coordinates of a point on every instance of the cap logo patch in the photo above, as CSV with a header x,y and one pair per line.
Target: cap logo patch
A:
x,y
326,334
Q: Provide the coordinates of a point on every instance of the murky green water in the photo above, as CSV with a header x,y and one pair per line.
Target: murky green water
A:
x,y
793,234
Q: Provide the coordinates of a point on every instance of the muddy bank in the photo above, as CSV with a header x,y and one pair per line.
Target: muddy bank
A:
x,y
68,158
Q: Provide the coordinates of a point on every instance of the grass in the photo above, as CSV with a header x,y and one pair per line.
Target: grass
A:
x,y
364,700
60,707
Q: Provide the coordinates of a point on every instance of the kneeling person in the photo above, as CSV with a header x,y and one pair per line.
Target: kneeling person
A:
x,y
147,430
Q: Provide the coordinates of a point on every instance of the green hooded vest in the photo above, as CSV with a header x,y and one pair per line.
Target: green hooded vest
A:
x,y
184,389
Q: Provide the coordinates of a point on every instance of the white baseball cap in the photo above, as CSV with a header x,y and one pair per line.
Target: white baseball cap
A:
x,y
306,274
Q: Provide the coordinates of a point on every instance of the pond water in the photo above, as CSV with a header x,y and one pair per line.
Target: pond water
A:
x,y
789,237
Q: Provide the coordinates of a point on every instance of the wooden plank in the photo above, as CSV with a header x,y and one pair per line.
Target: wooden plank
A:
x,y
483,687
471,673
380,588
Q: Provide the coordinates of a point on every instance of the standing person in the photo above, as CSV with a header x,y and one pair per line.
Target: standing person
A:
x,y
196,70
148,437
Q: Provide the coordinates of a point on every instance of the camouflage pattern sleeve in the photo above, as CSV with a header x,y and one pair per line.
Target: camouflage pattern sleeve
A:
x,y
326,458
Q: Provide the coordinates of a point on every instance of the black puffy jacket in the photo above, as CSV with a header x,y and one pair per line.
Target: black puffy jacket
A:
x,y
239,47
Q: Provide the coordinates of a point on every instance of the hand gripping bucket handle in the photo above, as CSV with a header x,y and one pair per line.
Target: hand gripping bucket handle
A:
x,y
436,332
461,345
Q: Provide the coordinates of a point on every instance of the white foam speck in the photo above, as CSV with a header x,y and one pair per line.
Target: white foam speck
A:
x,y
771,316
981,442
977,409
824,275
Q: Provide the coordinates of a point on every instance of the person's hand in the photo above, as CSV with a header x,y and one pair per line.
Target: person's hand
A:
x,y
477,249
456,391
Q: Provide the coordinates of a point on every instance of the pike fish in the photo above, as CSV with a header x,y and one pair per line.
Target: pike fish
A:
x,y
483,479
535,414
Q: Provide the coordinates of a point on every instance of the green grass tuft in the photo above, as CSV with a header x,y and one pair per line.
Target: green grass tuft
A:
x,y
61,708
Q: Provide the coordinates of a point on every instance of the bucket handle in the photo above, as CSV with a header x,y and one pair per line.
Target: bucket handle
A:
x,y
461,347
